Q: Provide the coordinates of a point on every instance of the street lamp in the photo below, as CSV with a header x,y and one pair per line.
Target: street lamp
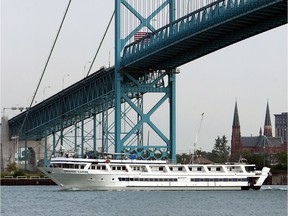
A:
x,y
44,91
67,75
110,54
14,109
88,62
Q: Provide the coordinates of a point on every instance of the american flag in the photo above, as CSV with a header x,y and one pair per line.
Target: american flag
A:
x,y
140,35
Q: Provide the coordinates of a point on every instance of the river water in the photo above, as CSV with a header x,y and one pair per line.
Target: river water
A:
x,y
50,200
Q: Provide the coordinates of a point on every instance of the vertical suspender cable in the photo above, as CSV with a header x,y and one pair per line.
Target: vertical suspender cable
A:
x,y
45,67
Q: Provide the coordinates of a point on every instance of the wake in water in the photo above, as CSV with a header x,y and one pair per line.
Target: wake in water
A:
x,y
274,187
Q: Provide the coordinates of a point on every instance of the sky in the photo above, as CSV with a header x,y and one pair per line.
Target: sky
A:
x,y
252,71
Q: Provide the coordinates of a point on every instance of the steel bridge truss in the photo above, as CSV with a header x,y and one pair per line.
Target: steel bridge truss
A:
x,y
131,84
134,88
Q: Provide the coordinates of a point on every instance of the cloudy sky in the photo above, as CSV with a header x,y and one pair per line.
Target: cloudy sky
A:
x,y
252,71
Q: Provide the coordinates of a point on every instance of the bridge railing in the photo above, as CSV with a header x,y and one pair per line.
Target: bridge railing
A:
x,y
178,29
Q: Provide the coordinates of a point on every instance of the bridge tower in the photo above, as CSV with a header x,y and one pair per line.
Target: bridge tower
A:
x,y
134,20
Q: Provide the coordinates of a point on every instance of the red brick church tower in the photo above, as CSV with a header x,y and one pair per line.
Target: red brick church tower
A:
x,y
256,144
236,133
267,124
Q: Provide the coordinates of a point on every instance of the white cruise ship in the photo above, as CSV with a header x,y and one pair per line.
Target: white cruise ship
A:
x,y
130,174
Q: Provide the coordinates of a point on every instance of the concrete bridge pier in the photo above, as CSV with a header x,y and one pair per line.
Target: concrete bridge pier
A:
x,y
25,153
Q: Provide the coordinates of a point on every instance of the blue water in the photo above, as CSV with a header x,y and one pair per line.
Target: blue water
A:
x,y
50,200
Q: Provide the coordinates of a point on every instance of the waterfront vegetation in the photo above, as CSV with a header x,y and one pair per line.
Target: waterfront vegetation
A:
x,y
12,169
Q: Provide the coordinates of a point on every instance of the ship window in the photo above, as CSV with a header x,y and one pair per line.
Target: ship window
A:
x,y
218,168
113,168
221,179
118,168
57,165
82,166
216,179
197,179
225,179
190,168
211,180
249,168
239,179
192,179
199,169
179,168
161,168
209,168
76,166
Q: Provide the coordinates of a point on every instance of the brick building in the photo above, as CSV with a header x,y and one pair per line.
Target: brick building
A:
x,y
264,142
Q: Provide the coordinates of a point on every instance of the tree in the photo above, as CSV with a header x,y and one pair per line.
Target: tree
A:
x,y
220,151
12,167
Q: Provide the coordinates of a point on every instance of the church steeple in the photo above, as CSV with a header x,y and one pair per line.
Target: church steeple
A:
x,y
236,122
267,123
236,134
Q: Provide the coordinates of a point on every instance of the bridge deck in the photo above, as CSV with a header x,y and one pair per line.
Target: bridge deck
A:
x,y
204,31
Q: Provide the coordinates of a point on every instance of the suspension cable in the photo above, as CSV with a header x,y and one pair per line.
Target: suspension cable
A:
x,y
91,65
45,67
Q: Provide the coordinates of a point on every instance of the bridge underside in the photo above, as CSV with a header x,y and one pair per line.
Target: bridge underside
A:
x,y
182,42
80,101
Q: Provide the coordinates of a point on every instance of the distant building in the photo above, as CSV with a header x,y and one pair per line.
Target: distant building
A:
x,y
281,122
264,142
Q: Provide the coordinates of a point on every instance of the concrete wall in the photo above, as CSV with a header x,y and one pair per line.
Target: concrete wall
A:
x,y
9,148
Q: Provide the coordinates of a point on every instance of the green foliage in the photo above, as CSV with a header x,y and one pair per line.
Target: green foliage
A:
x,y
220,152
12,167
184,158
18,173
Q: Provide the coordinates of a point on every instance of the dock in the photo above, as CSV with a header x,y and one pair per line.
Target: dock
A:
x,y
25,180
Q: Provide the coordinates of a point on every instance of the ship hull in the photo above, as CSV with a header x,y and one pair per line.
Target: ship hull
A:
x,y
139,176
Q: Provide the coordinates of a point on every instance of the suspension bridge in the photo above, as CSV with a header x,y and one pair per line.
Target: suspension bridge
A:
x,y
152,39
